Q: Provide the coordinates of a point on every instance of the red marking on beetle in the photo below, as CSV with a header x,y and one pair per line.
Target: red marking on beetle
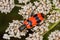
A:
x,y
33,21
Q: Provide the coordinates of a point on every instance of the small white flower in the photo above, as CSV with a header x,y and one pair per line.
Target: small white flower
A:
x,y
6,36
23,1
36,3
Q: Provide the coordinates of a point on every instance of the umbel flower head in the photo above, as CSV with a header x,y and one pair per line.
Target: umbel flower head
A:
x,y
6,6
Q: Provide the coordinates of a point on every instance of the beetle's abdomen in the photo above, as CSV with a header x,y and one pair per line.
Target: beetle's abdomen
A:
x,y
33,20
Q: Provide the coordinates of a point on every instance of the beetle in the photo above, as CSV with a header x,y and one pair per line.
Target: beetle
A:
x,y
32,21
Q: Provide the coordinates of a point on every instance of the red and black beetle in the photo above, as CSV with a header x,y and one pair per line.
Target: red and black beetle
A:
x,y
32,21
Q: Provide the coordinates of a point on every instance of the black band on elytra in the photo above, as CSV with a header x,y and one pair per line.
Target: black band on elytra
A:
x,y
38,20
29,22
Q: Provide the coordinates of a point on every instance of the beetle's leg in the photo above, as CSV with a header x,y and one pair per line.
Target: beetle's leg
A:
x,y
38,24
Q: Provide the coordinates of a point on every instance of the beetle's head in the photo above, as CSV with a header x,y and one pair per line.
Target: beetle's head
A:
x,y
22,27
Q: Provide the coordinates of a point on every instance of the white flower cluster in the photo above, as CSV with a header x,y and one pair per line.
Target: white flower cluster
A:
x,y
56,3
42,29
23,1
35,36
6,6
26,11
44,6
54,35
13,30
54,17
